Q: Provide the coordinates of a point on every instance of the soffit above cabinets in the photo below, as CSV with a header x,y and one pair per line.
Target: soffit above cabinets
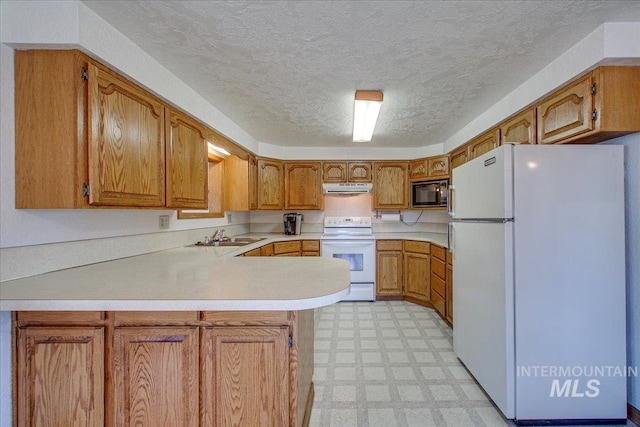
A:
x,y
286,72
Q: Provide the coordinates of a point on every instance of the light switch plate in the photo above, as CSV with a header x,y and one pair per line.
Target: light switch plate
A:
x,y
164,222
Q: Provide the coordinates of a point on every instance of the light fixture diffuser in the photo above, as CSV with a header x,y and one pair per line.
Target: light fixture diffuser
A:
x,y
366,109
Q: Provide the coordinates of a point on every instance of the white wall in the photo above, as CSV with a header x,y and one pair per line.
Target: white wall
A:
x,y
632,221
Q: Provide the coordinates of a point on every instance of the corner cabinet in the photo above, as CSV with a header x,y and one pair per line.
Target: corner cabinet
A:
x,y
417,269
270,184
100,138
390,185
303,185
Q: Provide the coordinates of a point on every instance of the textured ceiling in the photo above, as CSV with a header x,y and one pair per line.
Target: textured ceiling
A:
x,y
286,71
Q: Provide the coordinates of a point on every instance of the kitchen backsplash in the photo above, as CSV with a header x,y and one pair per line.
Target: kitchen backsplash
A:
x,y
356,205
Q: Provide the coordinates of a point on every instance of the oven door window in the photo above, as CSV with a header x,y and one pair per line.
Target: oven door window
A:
x,y
355,261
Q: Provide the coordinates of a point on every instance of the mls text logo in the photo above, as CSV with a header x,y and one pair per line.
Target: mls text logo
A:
x,y
573,388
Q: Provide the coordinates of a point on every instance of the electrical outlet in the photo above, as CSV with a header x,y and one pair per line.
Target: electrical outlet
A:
x,y
164,222
229,218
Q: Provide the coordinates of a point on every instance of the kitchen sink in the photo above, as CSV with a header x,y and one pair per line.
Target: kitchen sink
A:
x,y
233,241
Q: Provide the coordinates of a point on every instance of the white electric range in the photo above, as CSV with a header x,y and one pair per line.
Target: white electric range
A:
x,y
351,239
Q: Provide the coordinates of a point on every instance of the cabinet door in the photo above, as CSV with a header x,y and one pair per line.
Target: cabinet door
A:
x,y
253,183
438,167
53,360
567,113
155,376
334,172
270,185
520,129
186,155
459,156
417,276
391,187
418,169
126,143
359,172
303,185
236,184
484,144
245,376
389,275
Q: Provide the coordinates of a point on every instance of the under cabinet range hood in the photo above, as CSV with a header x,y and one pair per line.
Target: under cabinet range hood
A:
x,y
347,188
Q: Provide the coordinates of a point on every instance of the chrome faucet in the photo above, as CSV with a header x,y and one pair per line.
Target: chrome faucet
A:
x,y
219,236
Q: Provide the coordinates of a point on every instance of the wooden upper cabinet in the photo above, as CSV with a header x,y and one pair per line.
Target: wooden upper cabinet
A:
x,y
126,143
484,143
459,156
519,129
236,184
50,104
598,106
303,185
60,376
429,168
334,171
155,374
359,171
390,185
253,182
187,165
338,171
419,169
567,113
438,167
270,184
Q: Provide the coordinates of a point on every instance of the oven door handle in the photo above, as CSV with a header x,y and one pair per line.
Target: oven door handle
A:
x,y
344,243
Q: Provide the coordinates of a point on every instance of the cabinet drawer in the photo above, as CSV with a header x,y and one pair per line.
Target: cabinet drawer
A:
x,y
246,318
437,285
438,252
59,317
123,318
439,268
389,245
438,302
417,247
280,248
310,245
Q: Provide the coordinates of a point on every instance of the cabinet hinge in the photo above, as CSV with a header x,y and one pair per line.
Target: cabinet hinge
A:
x,y
593,89
594,114
85,189
290,341
85,74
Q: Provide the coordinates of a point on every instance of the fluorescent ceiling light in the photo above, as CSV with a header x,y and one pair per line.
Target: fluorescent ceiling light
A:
x,y
217,151
365,115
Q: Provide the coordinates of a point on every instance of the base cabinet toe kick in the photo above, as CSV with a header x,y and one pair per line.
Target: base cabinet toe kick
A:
x,y
231,368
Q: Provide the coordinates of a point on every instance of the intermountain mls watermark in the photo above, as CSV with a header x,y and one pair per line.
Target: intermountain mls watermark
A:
x,y
576,381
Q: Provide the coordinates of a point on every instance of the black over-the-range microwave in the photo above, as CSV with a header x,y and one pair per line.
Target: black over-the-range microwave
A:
x,y
429,194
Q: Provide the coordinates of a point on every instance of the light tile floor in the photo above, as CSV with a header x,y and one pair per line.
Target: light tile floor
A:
x,y
391,363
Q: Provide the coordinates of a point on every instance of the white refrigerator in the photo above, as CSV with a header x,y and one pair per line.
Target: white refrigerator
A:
x,y
537,235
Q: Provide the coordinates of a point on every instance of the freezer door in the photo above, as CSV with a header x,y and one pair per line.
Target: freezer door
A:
x,y
483,334
482,188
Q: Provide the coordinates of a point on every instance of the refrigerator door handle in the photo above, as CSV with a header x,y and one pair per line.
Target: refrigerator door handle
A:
x,y
449,239
450,199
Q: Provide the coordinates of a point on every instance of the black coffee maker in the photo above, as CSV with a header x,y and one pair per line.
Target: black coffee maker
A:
x,y
292,223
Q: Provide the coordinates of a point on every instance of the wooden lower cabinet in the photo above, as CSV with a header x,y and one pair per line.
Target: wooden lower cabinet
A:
x,y
245,376
311,248
389,269
155,373
213,369
60,376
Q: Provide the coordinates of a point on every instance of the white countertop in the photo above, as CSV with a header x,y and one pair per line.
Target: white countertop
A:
x,y
194,278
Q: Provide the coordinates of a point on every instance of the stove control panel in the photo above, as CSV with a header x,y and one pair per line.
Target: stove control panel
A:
x,y
346,222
